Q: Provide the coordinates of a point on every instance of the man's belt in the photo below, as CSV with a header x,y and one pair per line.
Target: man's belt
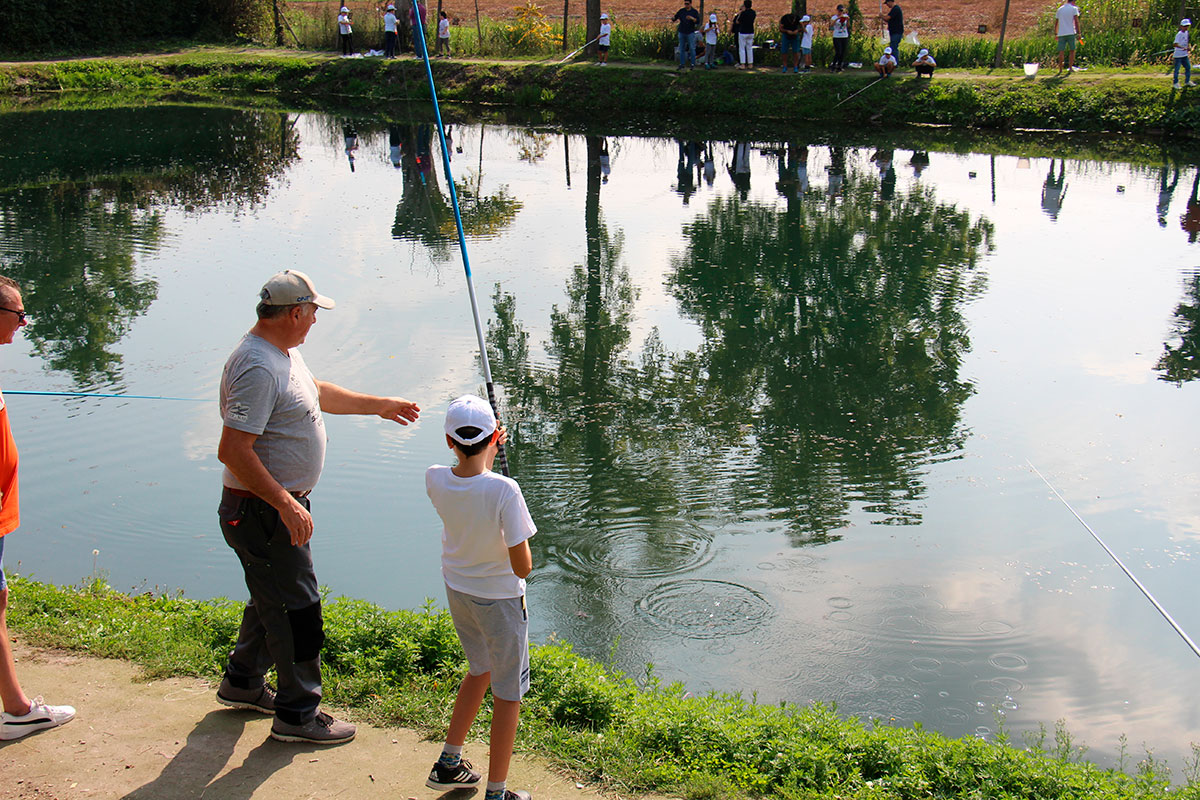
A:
x,y
244,493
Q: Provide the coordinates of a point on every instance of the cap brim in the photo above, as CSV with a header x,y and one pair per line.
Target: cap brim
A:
x,y
321,301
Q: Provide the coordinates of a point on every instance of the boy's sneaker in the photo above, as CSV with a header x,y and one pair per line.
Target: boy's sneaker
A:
x,y
321,729
260,698
519,794
40,717
1176,84
460,777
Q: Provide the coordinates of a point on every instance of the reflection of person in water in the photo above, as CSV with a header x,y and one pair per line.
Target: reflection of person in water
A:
x,y
686,184
449,134
1165,192
1054,190
710,165
887,176
351,142
920,160
739,170
424,156
605,164
394,147
837,169
1190,221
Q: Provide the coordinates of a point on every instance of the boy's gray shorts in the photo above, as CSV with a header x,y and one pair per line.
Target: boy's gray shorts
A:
x,y
495,637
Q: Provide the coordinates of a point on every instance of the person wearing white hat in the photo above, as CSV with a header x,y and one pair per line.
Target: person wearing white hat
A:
x,y
806,41
1182,52
924,65
886,63
391,32
604,39
710,31
1066,22
345,30
273,448
486,529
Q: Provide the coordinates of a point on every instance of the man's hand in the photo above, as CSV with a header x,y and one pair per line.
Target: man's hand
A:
x,y
397,409
298,521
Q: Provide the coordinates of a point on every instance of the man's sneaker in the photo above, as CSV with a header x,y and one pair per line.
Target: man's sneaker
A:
x,y
260,698
1176,84
1191,83
460,777
321,729
519,794
40,716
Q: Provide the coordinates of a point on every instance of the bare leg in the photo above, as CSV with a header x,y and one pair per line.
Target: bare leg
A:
x,y
466,707
15,701
505,714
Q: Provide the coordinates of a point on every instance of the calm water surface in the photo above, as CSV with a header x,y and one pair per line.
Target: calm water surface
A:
x,y
774,405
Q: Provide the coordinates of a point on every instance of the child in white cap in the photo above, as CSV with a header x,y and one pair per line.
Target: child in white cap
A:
x,y
806,40
485,558
1182,52
925,65
710,42
886,63
604,39
344,31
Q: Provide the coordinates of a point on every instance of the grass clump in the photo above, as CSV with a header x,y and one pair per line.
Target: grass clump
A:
x,y
404,667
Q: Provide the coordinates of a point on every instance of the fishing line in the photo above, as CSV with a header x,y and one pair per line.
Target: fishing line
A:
x,y
860,91
1120,564
458,224
99,394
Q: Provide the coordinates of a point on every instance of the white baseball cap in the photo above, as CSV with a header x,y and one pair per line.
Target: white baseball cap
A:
x,y
805,18
922,53
1185,23
887,51
604,16
470,411
345,10
290,287
712,17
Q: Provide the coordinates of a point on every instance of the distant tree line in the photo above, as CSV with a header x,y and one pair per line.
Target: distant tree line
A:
x,y
33,26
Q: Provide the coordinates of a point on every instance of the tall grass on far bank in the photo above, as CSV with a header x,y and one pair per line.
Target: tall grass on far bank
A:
x,y
403,667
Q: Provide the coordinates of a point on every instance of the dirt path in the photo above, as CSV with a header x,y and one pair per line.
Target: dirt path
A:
x,y
170,740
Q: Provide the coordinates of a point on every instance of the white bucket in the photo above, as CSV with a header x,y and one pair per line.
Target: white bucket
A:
x,y
1031,70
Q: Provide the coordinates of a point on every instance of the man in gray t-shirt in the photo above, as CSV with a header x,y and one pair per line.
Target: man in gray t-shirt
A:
x,y
273,449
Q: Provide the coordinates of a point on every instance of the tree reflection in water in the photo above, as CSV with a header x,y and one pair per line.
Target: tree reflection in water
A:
x,y
77,212
1180,361
829,374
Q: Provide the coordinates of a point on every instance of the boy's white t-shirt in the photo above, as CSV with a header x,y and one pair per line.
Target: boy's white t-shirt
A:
x,y
344,23
1182,41
482,516
1066,15
605,31
885,59
710,33
806,36
443,29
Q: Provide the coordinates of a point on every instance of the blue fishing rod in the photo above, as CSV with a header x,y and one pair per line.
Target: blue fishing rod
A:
x,y
1170,620
462,239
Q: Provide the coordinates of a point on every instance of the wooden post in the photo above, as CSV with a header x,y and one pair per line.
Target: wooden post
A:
x,y
566,9
1000,44
593,25
278,24
478,30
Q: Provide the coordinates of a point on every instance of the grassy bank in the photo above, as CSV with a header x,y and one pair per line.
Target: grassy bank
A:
x,y
403,667
1116,100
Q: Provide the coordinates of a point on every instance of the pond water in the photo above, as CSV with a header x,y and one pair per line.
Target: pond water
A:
x,y
774,404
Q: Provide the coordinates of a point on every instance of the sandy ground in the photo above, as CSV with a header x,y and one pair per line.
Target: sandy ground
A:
x,y
170,740
926,17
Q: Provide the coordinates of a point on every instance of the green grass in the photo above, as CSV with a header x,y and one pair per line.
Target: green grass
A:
x,y
403,668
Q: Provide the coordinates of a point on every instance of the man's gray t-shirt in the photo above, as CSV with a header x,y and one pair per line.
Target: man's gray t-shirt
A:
x,y
271,394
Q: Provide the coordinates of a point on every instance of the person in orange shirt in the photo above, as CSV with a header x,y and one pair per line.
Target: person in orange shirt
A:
x,y
21,716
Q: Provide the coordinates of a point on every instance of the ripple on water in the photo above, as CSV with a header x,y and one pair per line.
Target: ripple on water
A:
x,y
637,548
705,609
1008,661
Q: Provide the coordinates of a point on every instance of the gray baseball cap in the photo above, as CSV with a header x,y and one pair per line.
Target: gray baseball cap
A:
x,y
290,287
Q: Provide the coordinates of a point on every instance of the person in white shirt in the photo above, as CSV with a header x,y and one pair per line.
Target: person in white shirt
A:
x,y
604,39
1182,52
442,47
925,65
1066,21
344,31
840,23
886,63
806,40
391,37
710,42
486,529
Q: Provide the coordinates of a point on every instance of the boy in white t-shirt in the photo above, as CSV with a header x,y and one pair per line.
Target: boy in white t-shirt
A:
x,y
485,559
443,37
345,31
806,40
1182,52
1067,28
604,39
886,63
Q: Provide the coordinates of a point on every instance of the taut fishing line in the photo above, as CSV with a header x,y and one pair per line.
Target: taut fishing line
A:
x,y
419,24
1120,564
